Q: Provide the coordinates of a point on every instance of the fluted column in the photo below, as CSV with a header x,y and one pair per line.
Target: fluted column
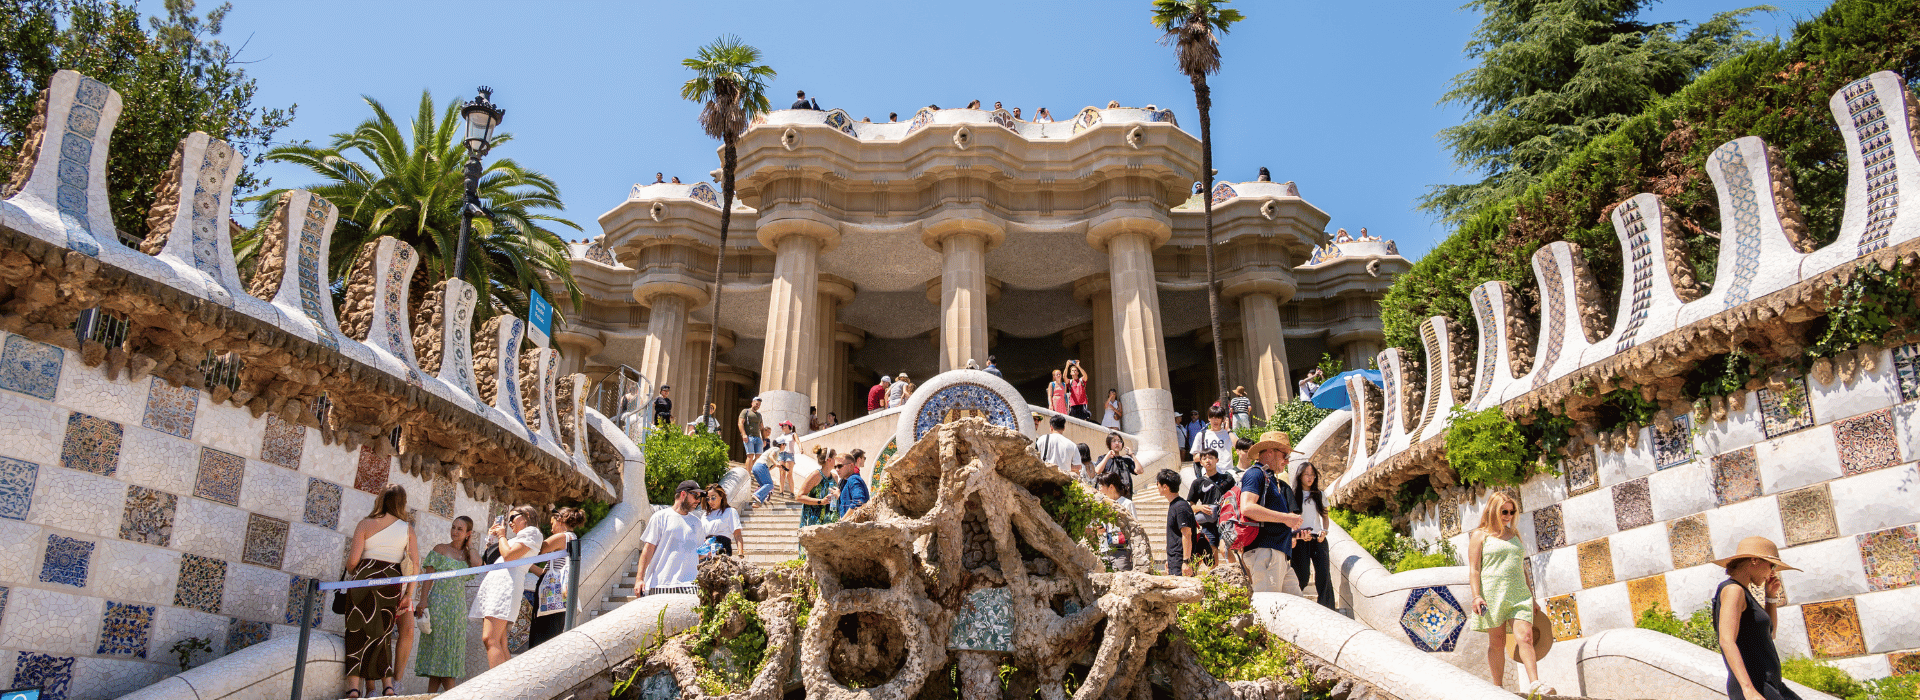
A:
x,y
1266,351
963,244
666,339
1142,354
792,354
1095,292
850,404
831,293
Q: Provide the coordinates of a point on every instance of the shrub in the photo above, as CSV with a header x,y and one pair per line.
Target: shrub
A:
x,y
1295,418
1822,676
1075,509
1421,554
1483,447
1696,629
1227,651
1395,551
673,458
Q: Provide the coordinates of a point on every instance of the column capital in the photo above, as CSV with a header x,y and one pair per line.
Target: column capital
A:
x,y
839,288
1278,284
1085,287
698,332
586,339
656,283
1153,225
948,224
853,337
994,288
1071,338
818,228
1229,332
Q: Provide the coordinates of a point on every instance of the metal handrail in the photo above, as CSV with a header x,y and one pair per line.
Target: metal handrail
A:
x,y
612,388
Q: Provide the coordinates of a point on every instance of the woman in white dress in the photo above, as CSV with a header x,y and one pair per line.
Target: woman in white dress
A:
x,y
497,603
1111,421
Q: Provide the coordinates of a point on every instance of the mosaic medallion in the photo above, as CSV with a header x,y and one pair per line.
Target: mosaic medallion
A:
x,y
1866,442
1564,613
1690,541
1891,557
1583,474
51,674
67,561
962,399
1632,504
30,368
1432,618
1786,411
92,445
16,487
1596,563
1833,628
1674,446
283,442
985,624
245,633
1906,366
124,630
219,476
323,504
170,409
148,518
1806,515
1649,592
1736,476
202,581
1547,530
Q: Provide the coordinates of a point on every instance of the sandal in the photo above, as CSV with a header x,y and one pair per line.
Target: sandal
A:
x,y
353,692
389,692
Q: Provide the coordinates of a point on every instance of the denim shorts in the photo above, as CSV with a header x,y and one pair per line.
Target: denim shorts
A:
x,y
786,456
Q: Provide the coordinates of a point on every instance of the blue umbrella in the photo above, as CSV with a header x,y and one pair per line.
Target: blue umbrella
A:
x,y
1333,393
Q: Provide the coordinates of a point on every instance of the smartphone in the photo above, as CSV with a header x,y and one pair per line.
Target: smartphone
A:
x,y
499,521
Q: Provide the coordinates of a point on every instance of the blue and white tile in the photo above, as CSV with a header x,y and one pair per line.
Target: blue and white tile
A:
x,y
18,479
125,630
1691,588
51,674
274,491
1742,427
1641,552
130,571
52,621
87,390
1682,490
1626,465
68,561
1799,459
1828,570
1753,517
1604,607
29,367
254,593
1588,516
1890,620
1869,391
170,625
31,430
209,529
1877,500
159,461
112,678
78,502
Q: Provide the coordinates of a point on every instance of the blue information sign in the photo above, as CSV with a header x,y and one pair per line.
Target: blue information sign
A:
x,y
20,694
540,325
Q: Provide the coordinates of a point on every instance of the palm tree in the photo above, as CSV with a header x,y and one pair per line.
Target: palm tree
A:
x,y
411,187
1194,28
733,86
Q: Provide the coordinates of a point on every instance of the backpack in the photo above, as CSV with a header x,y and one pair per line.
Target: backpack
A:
x,y
1235,532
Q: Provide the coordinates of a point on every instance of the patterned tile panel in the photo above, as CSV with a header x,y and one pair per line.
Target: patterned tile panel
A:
x,y
16,487
1432,618
1548,532
67,561
75,170
985,623
283,443
266,542
1483,313
1833,628
1806,515
371,475
245,633
1640,262
1553,307
30,368
297,596
1632,505
171,409
1741,226
1690,541
1786,411
1875,145
1736,477
219,478
124,630
202,582
1565,615
441,503
53,675
1583,473
1904,662
1649,592
92,445
323,503
1674,446
1891,557
149,516
1449,517
1867,442
1906,367
1596,563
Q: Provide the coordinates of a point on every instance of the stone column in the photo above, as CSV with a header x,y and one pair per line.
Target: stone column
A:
x,y
693,374
666,340
1236,352
963,246
831,293
1141,354
851,403
1260,292
792,355
1094,292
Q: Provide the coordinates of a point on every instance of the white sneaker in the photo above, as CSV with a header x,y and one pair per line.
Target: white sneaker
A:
x,y
1541,688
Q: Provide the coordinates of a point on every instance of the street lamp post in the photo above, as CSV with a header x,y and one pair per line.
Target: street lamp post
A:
x,y
481,116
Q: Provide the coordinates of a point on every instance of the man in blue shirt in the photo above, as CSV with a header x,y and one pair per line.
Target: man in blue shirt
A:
x,y
853,487
1266,499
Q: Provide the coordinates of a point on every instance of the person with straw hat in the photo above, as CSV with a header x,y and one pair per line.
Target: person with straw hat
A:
x,y
1266,499
1502,603
1746,626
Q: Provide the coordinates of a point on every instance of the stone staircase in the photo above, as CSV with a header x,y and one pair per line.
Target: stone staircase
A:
x,y
770,533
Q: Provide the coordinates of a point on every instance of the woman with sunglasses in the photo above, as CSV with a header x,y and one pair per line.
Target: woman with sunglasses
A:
x,y
723,524
497,602
1498,579
550,596
1747,625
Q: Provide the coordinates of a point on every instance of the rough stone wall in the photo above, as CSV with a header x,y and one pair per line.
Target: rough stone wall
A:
x,y
1594,310
356,311
1785,206
1520,334
29,148
429,317
486,359
270,263
166,205
530,388
1463,369
1685,279
568,420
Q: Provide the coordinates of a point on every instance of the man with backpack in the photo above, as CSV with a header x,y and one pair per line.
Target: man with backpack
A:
x,y
1262,527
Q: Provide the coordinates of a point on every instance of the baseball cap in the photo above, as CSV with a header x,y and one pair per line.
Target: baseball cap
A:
x,y
689,485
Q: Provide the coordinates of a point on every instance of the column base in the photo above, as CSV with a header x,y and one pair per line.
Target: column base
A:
x,y
778,405
1149,415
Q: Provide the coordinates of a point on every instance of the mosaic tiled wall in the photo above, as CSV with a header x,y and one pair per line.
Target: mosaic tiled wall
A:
x,y
1827,471
136,514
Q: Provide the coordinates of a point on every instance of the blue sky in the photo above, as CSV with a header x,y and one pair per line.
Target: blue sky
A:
x,y
1338,96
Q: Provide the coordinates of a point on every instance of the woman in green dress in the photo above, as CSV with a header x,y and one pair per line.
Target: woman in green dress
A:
x,y
816,498
1496,574
443,652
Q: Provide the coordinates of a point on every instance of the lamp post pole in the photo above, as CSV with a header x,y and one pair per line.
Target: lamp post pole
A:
x,y
481,116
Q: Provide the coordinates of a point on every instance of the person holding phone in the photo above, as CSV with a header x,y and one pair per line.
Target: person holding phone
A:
x,y
1497,576
1746,626
1310,539
497,602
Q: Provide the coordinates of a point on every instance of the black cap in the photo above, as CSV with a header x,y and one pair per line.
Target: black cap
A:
x,y
689,485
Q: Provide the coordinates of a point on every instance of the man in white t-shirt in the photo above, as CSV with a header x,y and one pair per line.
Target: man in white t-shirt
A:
x,y
1057,450
1216,437
671,560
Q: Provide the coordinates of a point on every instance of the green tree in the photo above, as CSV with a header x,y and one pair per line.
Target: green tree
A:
x,y
1194,28
411,186
174,80
1554,75
732,85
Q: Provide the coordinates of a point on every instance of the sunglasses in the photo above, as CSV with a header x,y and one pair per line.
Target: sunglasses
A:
x,y
1506,511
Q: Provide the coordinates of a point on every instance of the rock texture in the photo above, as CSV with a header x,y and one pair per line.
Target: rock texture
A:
x,y
270,263
428,319
29,148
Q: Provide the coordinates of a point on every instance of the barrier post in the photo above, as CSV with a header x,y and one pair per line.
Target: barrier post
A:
x,y
573,579
306,625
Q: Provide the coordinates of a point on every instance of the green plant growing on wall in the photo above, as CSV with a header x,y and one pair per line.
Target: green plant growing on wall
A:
x,y
1721,375
1696,629
1330,365
1209,628
1484,447
1295,418
1396,552
1547,433
748,648
186,648
673,458
1624,408
1876,306
1075,509
1411,493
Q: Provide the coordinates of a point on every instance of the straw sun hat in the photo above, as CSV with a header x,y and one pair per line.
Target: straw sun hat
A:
x,y
1758,548
1270,440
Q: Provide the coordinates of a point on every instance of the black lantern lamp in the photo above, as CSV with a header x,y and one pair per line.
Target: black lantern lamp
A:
x,y
481,115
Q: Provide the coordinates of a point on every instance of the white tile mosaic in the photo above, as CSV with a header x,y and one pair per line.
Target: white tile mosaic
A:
x,y
355,505
1604,607
1730,524
1557,572
1691,588
1870,666
89,391
51,621
1790,632
254,593
1682,490
1588,516
171,625
78,502
1536,493
1906,430
31,430
1641,552
315,552
209,529
330,462
159,461
272,490
1877,500
1829,570
1799,459
227,429
1628,464
1524,526
20,547
1890,620
1741,428
1869,391
133,572
96,678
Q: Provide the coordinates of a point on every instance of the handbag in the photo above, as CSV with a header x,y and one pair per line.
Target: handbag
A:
x,y
340,597
426,622
491,555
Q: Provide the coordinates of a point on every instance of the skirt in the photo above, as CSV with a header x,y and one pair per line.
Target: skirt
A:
x,y
369,616
499,594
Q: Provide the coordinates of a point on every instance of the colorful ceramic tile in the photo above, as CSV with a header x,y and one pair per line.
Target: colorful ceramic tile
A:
x,y
171,409
660,686
442,502
149,516
67,561
203,580
1833,628
1866,442
1806,515
124,630
1632,505
1432,618
1690,541
1583,474
1786,411
371,475
266,541
16,487
245,633
1649,592
1906,365
1449,517
1904,662
283,442
219,478
985,623
30,368
1674,446
522,625
1891,557
92,445
1596,563
323,504
297,596
1547,532
53,675
1736,476
1565,615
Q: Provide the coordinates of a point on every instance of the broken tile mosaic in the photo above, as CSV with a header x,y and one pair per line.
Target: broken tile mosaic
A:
x,y
16,487
266,541
1786,410
1649,592
30,368
1547,532
323,503
442,502
171,409
124,630
1691,543
1596,563
53,675
91,445
371,474
1736,476
282,443
245,633
1866,442
148,518
1565,615
1806,515
1891,557
203,580
219,477
67,561
1833,628
1582,473
1632,505
1674,446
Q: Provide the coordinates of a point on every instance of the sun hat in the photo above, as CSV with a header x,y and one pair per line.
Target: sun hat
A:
x,y
1270,440
1759,548
1542,636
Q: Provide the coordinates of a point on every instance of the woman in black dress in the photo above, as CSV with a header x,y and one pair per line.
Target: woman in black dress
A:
x,y
1746,625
